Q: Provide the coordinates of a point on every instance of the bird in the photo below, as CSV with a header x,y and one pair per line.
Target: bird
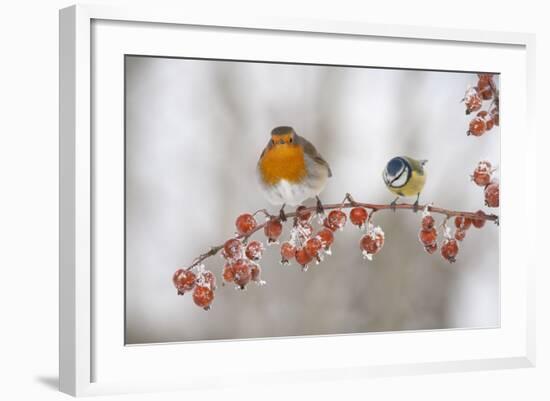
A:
x,y
291,170
405,176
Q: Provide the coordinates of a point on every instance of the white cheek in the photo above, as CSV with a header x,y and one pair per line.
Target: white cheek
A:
x,y
400,181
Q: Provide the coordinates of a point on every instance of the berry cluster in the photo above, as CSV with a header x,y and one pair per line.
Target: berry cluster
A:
x,y
483,177
449,245
202,283
474,98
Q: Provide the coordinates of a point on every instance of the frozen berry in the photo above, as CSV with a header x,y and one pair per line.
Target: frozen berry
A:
x,y
245,224
302,214
477,126
358,216
487,118
335,220
460,234
287,252
492,195
232,249
254,250
486,93
482,174
255,272
302,257
273,229
371,243
326,236
431,248
463,222
478,223
184,280
472,100
428,222
449,249
203,297
242,272
228,273
313,246
209,278
484,80
428,237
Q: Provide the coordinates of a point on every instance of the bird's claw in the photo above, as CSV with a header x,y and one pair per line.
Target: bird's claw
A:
x,y
415,207
320,209
393,205
282,215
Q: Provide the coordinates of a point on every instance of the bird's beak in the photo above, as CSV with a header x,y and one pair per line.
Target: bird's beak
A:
x,y
281,141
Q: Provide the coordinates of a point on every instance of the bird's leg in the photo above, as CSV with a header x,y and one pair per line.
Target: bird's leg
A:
x,y
392,205
320,208
415,205
282,214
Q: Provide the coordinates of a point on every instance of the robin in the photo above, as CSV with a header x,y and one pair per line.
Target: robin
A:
x,y
405,176
291,170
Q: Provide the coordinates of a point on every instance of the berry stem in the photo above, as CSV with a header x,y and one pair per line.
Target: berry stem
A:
x,y
349,203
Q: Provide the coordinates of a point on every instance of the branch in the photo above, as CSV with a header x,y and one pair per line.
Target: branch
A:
x,y
349,203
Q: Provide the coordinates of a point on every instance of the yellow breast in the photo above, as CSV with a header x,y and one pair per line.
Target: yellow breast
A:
x,y
283,162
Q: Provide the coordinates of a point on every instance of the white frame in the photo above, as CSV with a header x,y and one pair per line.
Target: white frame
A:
x,y
76,220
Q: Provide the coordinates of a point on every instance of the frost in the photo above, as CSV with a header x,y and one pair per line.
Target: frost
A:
x,y
366,255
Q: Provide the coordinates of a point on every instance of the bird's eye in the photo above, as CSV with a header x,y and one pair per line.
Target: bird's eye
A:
x,y
290,140
273,141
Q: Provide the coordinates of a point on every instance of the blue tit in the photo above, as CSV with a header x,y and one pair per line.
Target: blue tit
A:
x,y
405,176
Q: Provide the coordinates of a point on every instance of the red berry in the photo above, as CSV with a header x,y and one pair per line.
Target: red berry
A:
x,y
327,237
478,223
287,251
255,272
492,195
312,247
463,222
427,237
358,216
232,249
273,229
302,214
245,224
209,278
184,280
371,243
486,93
336,220
482,174
484,80
254,250
431,248
428,222
472,100
477,127
228,273
242,272
449,249
302,257
460,234
487,118
203,296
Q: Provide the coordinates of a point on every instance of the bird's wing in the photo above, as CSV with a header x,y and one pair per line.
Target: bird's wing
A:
x,y
310,149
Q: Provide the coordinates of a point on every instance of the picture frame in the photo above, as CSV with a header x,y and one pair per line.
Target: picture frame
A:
x,y
93,358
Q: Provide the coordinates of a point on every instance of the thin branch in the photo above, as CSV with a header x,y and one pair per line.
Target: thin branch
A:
x,y
349,202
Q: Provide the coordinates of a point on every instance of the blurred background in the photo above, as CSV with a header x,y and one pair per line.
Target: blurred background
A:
x,y
194,132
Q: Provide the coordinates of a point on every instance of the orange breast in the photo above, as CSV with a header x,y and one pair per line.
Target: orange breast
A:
x,y
283,162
